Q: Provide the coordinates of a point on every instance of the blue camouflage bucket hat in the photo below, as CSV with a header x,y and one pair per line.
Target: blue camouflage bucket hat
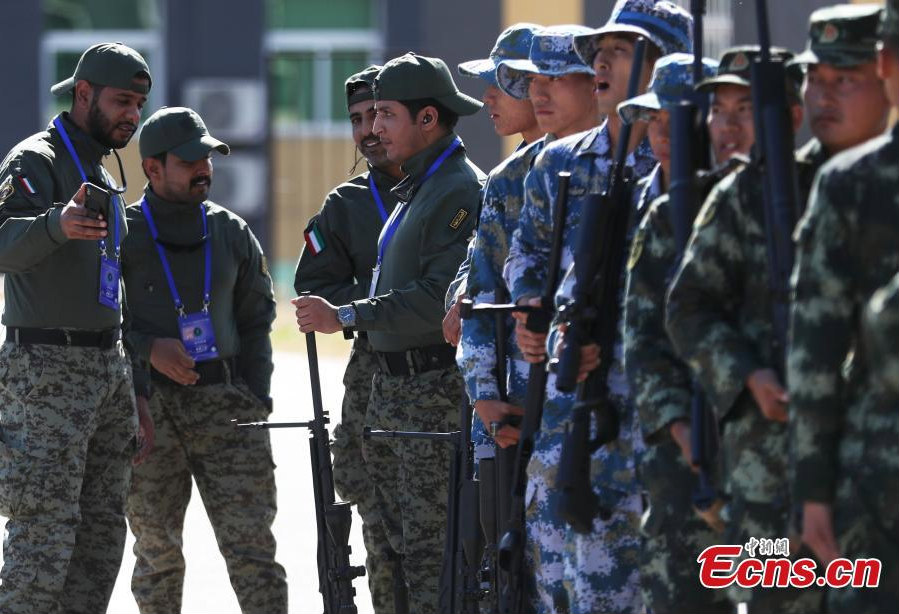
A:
x,y
552,54
514,43
663,23
672,82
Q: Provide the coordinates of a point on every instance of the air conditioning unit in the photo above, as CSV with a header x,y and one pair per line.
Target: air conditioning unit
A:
x,y
234,110
240,183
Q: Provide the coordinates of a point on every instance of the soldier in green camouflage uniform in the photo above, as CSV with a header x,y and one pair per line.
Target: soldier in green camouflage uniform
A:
x,y
672,532
336,264
417,386
720,318
845,432
200,309
67,413
880,331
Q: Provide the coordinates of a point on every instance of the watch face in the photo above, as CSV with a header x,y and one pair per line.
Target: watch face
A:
x,y
345,315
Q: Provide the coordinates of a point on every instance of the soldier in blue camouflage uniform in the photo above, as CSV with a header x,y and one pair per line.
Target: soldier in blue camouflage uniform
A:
x,y
500,201
337,265
720,315
672,533
67,409
844,432
600,571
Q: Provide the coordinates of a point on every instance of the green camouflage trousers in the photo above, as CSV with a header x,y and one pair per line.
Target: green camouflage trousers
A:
x,y
235,477
411,476
68,426
353,482
673,536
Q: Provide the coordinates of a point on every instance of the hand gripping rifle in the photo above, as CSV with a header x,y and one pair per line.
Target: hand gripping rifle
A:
x,y
511,572
690,156
774,133
332,519
593,316
460,587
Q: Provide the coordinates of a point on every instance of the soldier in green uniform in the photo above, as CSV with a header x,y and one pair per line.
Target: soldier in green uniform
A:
x,y
671,531
880,330
67,413
200,309
417,386
719,313
336,264
844,434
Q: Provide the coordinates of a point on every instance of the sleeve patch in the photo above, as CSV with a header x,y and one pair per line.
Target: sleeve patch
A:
x,y
315,241
263,267
457,220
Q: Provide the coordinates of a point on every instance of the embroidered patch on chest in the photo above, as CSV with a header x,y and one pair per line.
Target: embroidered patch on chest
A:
x,y
457,220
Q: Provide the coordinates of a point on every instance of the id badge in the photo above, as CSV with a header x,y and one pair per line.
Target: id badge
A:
x,y
198,336
110,282
375,273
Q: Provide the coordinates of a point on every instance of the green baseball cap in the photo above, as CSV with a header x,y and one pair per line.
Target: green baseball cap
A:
x,y
412,77
360,86
889,23
111,64
180,131
843,35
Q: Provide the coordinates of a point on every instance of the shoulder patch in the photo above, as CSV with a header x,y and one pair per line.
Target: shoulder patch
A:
x,y
636,248
6,189
457,220
263,267
315,241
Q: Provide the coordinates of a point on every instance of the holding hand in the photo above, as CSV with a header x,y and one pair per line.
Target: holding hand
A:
x,y
498,412
531,344
771,397
316,315
452,324
169,357
78,222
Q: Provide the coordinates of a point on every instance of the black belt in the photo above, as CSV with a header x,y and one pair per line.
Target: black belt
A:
x,y
103,339
417,360
211,372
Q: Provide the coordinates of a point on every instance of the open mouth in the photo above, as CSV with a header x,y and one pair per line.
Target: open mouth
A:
x,y
601,86
201,182
371,142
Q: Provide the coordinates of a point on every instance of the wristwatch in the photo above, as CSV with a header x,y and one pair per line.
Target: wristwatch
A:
x,y
346,314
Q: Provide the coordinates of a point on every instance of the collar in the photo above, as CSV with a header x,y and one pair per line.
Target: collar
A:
x,y
89,149
179,224
383,181
812,153
652,188
416,167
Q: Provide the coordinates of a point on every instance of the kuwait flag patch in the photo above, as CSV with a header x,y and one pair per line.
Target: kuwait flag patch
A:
x,y
315,242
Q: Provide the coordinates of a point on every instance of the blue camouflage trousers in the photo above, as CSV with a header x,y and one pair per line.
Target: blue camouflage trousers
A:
x,y
68,427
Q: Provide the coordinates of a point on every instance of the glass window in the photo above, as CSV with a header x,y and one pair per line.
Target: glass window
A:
x,y
101,14
318,14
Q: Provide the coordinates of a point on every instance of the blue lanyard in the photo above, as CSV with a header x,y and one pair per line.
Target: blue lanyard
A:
x,y
207,275
377,197
115,209
400,212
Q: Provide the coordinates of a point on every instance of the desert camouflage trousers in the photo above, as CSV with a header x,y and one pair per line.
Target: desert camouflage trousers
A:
x,y
68,426
234,473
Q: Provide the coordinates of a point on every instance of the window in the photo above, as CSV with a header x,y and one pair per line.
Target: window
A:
x,y
717,25
312,47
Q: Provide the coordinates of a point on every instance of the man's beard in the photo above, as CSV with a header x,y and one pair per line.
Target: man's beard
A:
x,y
101,128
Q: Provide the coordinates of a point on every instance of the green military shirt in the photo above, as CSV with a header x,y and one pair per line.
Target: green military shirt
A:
x,y
51,281
881,330
848,247
348,224
421,260
242,303
720,321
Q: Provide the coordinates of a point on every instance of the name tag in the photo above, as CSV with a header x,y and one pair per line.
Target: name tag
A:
x,y
110,286
198,336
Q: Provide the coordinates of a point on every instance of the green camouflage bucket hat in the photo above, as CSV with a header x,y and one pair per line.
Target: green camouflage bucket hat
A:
x,y
552,54
514,43
843,35
671,82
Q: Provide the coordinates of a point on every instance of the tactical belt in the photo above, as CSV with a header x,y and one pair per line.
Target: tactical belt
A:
x,y
211,372
417,360
103,339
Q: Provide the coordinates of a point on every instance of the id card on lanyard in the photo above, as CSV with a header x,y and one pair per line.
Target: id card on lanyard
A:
x,y
399,213
110,274
196,330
